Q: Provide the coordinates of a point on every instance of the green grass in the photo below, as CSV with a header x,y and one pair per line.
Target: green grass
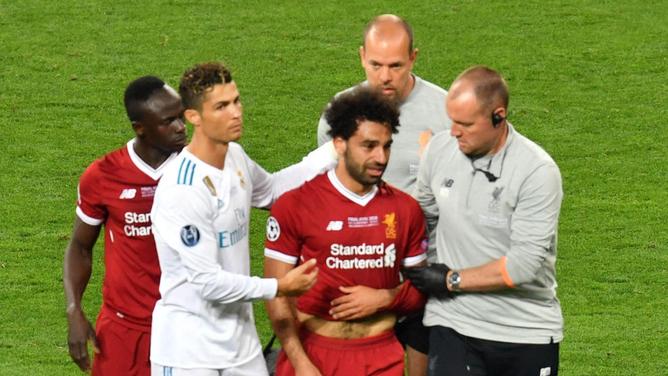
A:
x,y
588,82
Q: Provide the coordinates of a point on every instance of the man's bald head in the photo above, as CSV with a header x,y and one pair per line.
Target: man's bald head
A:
x,y
387,56
489,88
388,27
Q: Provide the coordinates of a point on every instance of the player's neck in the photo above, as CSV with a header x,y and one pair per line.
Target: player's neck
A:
x,y
152,156
212,153
349,182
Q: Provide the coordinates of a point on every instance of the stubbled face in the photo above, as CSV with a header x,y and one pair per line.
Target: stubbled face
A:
x,y
471,125
221,115
388,64
162,124
365,156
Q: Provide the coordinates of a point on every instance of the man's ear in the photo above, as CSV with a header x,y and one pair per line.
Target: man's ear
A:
x,y
193,117
340,146
413,55
138,128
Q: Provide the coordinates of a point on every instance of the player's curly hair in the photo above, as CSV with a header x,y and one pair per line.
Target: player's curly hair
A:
x,y
347,110
199,79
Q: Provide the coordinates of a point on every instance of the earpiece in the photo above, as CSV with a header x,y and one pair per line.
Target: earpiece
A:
x,y
496,119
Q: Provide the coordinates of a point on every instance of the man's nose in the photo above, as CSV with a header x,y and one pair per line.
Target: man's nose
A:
x,y
385,75
454,130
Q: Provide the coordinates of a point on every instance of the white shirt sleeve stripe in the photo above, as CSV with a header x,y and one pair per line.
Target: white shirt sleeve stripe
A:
x,y
412,261
86,219
276,255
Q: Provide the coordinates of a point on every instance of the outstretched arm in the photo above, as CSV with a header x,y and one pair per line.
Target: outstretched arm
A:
x,y
76,274
283,318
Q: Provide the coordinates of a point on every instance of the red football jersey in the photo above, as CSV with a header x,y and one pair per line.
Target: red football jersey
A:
x,y
117,191
356,240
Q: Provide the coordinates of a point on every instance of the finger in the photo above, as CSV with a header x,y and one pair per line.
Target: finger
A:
x,y
81,358
307,265
345,314
347,289
340,300
413,273
313,276
410,276
342,304
93,340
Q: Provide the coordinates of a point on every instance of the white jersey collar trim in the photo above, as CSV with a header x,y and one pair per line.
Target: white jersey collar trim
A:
x,y
153,173
352,196
210,170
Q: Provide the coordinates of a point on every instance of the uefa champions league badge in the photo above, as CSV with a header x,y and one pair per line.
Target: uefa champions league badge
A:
x,y
273,229
189,235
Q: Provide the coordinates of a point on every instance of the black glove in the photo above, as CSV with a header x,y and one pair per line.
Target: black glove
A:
x,y
430,279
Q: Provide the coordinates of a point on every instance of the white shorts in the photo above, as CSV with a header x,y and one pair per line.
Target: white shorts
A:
x,y
255,367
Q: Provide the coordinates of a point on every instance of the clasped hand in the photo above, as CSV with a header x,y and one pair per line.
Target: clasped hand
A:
x,y
430,280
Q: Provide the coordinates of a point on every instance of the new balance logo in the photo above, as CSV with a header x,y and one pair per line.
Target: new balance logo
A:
x,y
335,226
128,194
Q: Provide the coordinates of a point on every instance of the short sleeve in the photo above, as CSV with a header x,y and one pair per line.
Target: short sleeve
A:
x,y
282,240
416,251
90,207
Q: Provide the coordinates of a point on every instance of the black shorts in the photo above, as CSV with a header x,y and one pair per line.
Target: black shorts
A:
x,y
453,354
411,332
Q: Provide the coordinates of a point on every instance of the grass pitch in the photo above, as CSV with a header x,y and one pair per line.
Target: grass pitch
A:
x,y
588,82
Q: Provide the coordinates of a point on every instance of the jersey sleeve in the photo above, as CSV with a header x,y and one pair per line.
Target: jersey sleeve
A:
x,y
268,187
90,207
186,226
417,237
282,241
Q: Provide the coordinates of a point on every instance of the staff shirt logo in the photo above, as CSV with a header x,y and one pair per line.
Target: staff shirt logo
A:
x,y
189,235
496,197
273,229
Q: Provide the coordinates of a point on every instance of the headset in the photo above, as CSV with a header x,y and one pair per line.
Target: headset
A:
x,y
496,119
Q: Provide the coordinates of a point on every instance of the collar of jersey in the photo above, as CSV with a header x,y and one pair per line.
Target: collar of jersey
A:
x,y
153,173
352,196
211,170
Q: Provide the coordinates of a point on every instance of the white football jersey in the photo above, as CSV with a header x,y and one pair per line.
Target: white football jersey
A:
x,y
201,214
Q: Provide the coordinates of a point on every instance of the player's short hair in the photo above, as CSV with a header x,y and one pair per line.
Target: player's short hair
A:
x,y
137,94
200,79
489,87
347,110
390,17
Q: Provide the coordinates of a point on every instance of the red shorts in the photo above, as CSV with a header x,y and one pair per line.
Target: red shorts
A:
x,y
124,350
378,355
